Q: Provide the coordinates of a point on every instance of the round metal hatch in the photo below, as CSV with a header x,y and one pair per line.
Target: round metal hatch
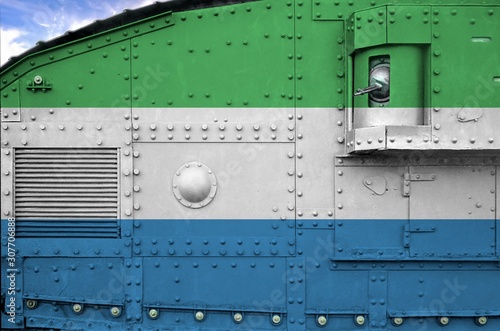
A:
x,y
194,185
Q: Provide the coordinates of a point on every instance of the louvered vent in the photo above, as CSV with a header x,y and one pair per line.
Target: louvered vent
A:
x,y
70,192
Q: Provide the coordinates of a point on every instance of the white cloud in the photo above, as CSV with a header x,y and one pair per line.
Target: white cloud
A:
x,y
10,43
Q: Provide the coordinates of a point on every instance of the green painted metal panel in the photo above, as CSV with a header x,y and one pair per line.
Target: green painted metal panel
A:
x,y
10,96
409,24
466,57
327,10
237,56
267,54
320,61
98,78
84,45
367,28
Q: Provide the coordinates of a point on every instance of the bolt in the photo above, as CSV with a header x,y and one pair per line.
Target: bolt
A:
x,y
443,320
31,304
115,311
153,313
200,316
238,317
482,320
77,308
322,320
360,320
397,321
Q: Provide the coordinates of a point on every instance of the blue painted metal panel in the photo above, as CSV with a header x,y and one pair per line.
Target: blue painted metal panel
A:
x,y
385,240
85,280
215,283
450,292
452,238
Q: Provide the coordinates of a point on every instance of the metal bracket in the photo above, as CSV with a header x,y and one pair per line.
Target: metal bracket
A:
x,y
38,84
408,178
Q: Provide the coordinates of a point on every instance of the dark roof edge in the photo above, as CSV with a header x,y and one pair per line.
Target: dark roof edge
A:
x,y
126,17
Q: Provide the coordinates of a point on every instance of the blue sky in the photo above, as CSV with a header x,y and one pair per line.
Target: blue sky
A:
x,y
24,22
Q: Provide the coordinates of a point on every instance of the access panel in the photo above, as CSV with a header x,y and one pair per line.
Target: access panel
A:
x,y
452,211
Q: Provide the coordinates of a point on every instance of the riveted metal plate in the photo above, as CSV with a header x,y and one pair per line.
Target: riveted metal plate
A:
x,y
10,114
442,290
452,132
366,240
365,32
366,139
473,32
350,288
456,192
386,116
355,201
204,44
496,211
10,103
7,191
50,280
79,81
214,124
409,25
229,244
56,127
453,216
240,170
245,283
316,145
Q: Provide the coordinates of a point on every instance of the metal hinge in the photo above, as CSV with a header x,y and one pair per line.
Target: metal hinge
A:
x,y
408,178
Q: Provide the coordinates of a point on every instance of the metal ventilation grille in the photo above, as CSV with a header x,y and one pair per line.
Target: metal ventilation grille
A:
x,y
66,192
